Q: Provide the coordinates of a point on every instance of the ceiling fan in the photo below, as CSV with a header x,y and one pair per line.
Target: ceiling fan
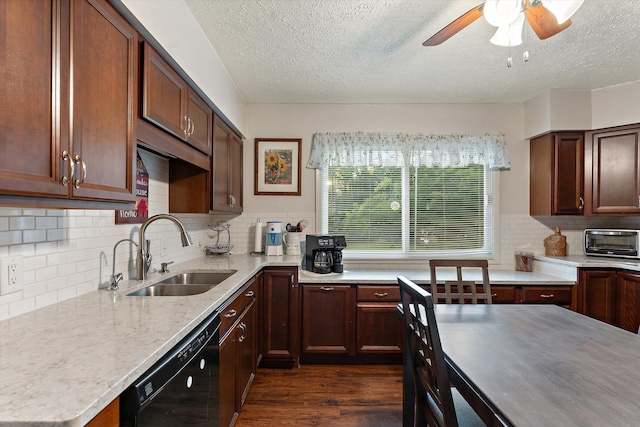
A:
x,y
546,17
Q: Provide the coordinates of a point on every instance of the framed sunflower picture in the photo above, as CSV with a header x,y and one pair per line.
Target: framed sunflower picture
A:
x,y
278,166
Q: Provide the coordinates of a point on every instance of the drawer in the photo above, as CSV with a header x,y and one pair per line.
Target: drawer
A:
x,y
239,302
550,295
378,293
502,294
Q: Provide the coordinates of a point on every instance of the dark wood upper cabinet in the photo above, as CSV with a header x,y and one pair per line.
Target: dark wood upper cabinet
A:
x,y
104,49
556,181
67,111
226,169
169,102
612,171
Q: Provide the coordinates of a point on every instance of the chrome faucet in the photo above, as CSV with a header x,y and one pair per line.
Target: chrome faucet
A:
x,y
116,278
143,261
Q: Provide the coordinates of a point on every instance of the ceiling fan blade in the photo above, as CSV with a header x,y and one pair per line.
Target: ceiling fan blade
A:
x,y
453,28
543,22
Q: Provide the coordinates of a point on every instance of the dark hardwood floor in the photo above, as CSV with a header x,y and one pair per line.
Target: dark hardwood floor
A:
x,y
325,395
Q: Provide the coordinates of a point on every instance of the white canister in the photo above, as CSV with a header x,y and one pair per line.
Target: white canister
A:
x,y
292,243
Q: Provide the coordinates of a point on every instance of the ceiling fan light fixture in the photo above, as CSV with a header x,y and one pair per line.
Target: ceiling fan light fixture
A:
x,y
510,34
500,13
562,9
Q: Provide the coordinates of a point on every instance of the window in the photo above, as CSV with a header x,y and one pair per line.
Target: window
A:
x,y
404,212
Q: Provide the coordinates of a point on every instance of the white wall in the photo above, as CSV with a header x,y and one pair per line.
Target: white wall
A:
x,y
616,105
175,28
558,110
302,121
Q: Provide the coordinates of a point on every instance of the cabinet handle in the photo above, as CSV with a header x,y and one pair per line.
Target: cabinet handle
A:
x,y
638,202
186,127
230,314
582,203
547,296
243,328
192,126
77,160
326,288
249,294
291,280
65,157
381,294
232,201
494,295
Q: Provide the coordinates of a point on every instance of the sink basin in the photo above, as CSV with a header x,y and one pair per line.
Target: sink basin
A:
x,y
198,277
183,284
159,290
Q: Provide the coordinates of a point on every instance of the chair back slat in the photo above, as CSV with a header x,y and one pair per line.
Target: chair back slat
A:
x,y
460,291
434,401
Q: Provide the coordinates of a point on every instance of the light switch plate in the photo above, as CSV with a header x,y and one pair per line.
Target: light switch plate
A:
x,y
11,276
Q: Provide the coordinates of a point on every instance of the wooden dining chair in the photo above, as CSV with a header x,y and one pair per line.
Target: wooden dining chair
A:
x,y
460,291
435,402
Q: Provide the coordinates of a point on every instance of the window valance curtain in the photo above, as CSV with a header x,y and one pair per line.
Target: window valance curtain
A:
x,y
399,149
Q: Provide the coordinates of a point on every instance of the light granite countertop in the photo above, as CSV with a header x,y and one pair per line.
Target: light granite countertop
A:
x,y
583,261
62,364
497,277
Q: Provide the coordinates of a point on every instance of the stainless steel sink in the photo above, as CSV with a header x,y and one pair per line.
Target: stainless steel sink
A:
x,y
159,290
183,284
198,277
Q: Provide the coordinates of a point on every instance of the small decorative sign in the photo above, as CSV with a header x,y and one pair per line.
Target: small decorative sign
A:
x,y
141,211
278,166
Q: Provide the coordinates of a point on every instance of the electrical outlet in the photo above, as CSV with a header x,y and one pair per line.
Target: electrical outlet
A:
x,y
11,278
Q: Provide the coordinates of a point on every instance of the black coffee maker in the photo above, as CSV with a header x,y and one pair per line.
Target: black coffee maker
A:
x,y
324,253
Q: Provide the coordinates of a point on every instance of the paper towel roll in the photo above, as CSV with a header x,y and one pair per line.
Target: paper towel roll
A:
x,y
257,243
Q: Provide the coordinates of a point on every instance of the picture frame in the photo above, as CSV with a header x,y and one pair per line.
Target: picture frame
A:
x,y
278,166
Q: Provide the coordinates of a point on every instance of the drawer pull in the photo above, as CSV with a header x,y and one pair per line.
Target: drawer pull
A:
x,y
230,314
249,294
381,294
326,289
494,295
547,296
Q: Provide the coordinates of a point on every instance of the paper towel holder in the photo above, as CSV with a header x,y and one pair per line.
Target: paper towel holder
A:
x,y
258,239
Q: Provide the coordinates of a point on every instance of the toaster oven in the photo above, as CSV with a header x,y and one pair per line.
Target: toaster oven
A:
x,y
612,243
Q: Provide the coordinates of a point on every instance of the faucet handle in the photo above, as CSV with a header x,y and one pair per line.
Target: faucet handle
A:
x,y
163,266
113,281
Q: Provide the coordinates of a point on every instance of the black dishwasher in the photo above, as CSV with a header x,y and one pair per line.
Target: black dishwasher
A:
x,y
182,388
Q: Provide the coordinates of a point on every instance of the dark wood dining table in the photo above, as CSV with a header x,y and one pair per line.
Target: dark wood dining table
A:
x,y
541,365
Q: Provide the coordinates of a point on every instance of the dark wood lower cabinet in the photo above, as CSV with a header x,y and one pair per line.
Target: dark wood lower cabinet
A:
x,y
280,332
328,319
612,296
238,351
628,301
350,324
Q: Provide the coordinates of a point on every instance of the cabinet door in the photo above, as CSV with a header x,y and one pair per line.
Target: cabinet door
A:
x,y
163,94
628,301
568,174
379,330
556,181
280,323
220,200
328,319
235,175
228,413
104,50
615,172
200,122
31,106
246,355
597,294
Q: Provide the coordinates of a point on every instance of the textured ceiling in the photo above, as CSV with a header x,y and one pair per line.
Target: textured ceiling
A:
x,y
370,51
